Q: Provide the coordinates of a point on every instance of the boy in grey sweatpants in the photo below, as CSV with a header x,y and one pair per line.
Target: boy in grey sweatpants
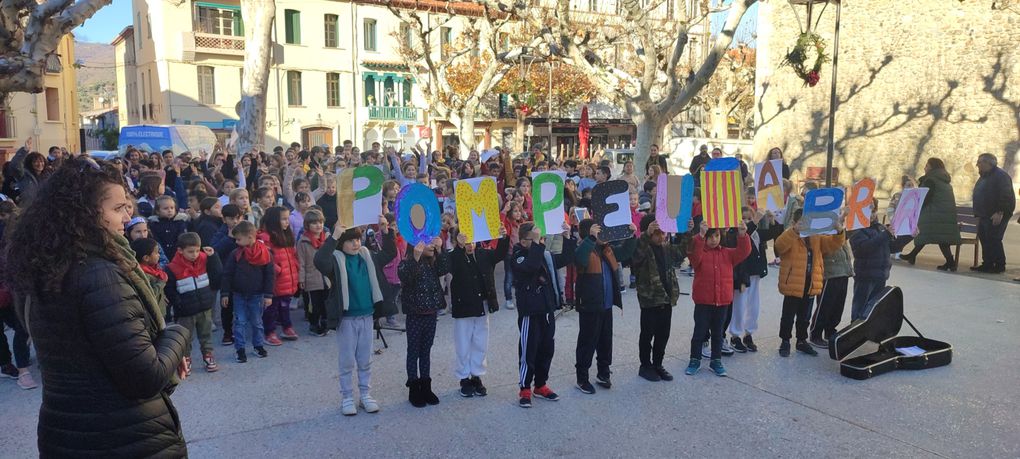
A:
x,y
353,294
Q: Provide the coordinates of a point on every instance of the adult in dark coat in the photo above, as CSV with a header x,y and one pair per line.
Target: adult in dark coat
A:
x,y
109,363
994,203
698,163
777,153
937,223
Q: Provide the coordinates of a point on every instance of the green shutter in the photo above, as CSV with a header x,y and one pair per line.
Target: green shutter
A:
x,y
369,89
292,20
238,25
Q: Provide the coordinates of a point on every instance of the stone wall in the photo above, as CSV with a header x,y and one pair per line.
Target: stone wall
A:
x,y
917,79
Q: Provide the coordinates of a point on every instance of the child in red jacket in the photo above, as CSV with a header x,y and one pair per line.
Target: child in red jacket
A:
x,y
713,290
275,232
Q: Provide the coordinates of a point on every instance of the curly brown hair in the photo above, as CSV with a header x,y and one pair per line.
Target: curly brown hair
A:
x,y
68,210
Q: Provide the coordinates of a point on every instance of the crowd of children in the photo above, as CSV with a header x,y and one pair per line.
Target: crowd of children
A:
x,y
258,236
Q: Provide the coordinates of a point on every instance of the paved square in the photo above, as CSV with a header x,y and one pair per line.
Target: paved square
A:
x,y
288,404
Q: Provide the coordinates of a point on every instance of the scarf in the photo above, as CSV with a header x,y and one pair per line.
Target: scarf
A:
x,y
183,269
316,241
154,271
256,254
339,255
135,276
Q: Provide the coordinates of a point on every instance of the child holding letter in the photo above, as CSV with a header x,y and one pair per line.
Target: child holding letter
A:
x,y
598,290
871,263
538,294
657,292
354,294
800,277
472,288
713,291
422,298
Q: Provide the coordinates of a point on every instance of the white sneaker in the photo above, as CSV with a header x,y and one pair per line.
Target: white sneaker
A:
x,y
896,256
509,305
348,408
726,348
369,404
706,350
25,381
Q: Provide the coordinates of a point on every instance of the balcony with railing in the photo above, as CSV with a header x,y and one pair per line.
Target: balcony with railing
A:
x,y
399,114
216,31
227,44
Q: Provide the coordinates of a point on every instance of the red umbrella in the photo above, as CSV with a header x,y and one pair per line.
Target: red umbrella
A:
x,y
582,133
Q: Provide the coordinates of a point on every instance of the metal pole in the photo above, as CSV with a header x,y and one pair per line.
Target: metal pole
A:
x,y
550,112
832,101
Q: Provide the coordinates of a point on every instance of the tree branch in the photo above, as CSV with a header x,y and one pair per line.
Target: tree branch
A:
x,y
672,107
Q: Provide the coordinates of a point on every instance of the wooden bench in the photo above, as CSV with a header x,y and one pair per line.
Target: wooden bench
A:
x,y
968,231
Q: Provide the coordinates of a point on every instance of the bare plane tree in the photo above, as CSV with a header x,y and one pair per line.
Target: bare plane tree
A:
x,y
30,32
454,90
636,63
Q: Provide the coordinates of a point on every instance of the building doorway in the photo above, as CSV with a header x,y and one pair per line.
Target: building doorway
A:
x,y
311,137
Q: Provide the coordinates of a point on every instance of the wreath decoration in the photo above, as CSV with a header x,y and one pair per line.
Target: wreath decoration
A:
x,y
809,45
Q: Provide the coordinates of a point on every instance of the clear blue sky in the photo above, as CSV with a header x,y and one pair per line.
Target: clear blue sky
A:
x,y
747,28
106,23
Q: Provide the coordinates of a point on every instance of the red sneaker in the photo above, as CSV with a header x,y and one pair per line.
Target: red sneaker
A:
x,y
546,393
289,334
525,401
210,363
273,340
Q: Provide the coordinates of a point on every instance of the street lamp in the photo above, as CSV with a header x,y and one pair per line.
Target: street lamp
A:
x,y
810,7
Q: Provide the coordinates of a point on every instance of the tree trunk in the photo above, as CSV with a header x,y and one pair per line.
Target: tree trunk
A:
x,y
465,132
649,131
720,122
258,17
519,132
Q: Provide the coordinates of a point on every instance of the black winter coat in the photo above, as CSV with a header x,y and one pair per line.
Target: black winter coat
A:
x,y
871,252
993,193
106,370
533,283
241,278
421,292
757,263
206,226
165,232
474,281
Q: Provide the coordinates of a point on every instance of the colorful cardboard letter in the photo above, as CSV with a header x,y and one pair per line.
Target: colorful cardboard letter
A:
x,y
674,199
821,211
359,196
722,193
547,201
478,208
418,215
904,222
858,204
768,185
610,206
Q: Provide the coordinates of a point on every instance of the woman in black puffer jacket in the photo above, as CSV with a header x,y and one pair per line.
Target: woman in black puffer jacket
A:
x,y
108,361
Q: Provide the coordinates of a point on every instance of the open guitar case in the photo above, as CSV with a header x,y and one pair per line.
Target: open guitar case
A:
x,y
881,326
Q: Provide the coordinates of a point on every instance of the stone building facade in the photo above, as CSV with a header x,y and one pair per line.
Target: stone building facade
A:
x,y
920,79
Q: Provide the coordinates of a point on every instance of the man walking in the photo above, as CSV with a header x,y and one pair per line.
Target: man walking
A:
x,y
993,206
